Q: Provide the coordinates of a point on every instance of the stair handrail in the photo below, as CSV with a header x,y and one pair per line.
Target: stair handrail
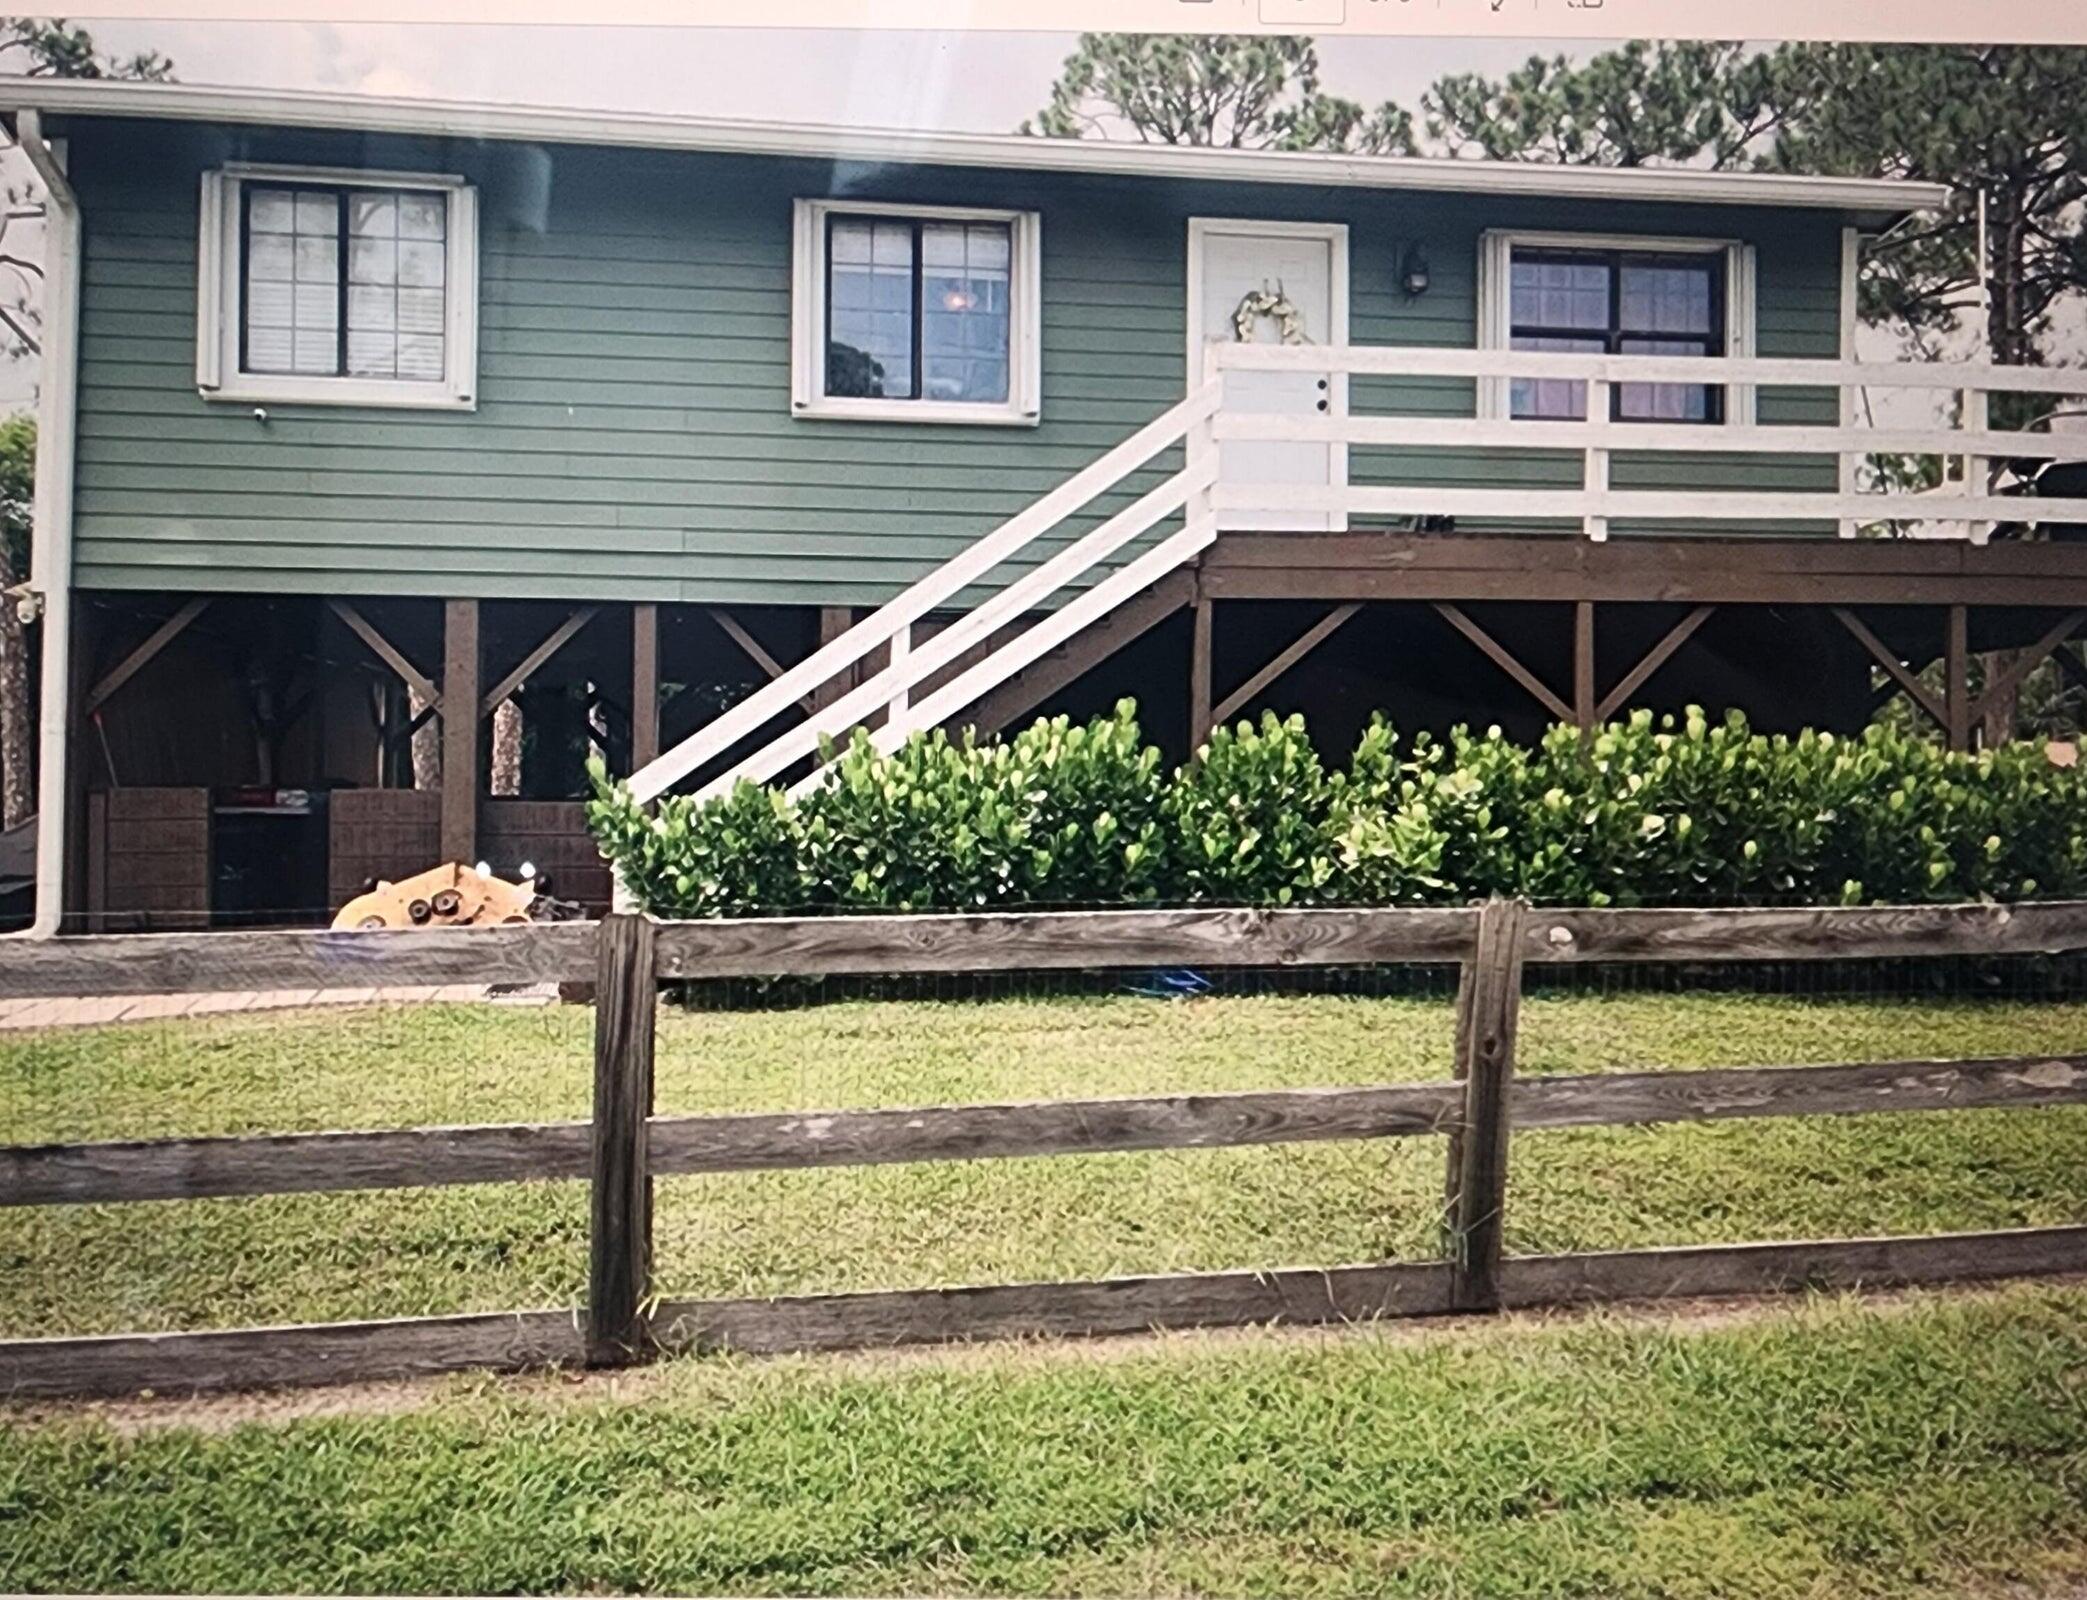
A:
x,y
1169,428
1047,634
923,660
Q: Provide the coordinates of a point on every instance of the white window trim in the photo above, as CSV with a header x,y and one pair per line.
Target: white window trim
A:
x,y
218,297
1495,255
808,398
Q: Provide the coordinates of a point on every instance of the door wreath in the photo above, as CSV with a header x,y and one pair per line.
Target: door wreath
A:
x,y
1266,302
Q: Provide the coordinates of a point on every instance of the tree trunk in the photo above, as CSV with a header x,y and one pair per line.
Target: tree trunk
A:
x,y
1997,726
425,747
506,758
17,733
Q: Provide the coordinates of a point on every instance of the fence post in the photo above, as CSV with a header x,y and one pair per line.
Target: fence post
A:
x,y
1489,998
619,1267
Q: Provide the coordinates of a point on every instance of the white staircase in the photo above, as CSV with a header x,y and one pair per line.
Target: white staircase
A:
x,y
1187,491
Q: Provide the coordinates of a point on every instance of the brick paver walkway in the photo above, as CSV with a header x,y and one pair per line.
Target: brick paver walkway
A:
x,y
18,1014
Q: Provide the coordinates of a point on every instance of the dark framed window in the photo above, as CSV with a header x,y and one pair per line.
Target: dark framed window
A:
x,y
919,308
1617,302
343,281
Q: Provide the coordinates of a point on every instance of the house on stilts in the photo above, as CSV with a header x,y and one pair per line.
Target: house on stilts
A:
x,y
371,426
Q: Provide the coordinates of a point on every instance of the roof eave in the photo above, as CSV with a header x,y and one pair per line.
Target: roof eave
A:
x,y
1870,200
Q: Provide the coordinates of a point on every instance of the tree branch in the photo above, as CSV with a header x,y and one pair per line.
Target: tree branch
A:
x,y
29,340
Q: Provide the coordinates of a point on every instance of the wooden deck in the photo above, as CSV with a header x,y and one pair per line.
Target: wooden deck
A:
x,y
1385,565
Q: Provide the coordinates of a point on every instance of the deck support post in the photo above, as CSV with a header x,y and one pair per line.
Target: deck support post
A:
x,y
833,622
1489,1003
1199,718
1585,702
619,1238
460,725
1956,678
644,684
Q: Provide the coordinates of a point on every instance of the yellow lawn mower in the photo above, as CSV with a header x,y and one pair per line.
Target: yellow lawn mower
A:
x,y
454,896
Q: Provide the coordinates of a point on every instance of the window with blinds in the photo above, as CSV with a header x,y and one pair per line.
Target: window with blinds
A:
x,y
345,282
331,286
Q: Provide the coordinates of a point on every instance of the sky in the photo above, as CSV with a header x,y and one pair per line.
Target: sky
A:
x,y
973,82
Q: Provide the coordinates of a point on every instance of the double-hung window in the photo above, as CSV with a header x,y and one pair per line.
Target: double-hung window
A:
x,y
925,314
324,287
1617,297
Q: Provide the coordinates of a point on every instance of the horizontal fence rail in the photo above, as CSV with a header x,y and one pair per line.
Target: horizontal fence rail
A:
x,y
1060,940
221,963
329,960
627,1144
317,1163
1801,933
301,1354
217,1168
1347,1294
1966,505
1282,1297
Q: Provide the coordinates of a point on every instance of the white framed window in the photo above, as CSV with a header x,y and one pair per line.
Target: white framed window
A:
x,y
916,313
333,286
1616,294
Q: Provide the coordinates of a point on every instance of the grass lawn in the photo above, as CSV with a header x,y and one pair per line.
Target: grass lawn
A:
x,y
296,1258
1928,1446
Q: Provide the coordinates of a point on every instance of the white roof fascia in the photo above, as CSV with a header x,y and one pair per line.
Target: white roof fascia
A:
x,y
282,108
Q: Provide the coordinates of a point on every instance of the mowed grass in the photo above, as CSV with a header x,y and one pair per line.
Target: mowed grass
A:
x,y
324,1257
1932,1446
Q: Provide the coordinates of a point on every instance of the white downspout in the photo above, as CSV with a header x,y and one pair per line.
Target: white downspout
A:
x,y
50,561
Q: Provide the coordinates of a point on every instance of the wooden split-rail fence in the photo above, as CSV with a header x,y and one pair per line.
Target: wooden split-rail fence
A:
x,y
625,1145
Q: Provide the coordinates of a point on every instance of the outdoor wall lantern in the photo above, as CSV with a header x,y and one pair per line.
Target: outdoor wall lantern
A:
x,y
1413,272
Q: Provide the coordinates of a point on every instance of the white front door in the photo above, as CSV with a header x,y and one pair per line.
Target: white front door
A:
x,y
1235,268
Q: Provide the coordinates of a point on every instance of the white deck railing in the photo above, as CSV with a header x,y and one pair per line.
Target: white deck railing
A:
x,y
1206,488
1966,502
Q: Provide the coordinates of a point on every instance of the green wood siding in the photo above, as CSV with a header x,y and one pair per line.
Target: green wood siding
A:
x,y
633,438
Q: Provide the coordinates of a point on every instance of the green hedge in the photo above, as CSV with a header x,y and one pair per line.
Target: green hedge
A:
x,y
1684,812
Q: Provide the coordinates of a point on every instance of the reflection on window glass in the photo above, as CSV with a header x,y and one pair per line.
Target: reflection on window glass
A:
x,y
1622,304
869,320
394,257
918,309
964,311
